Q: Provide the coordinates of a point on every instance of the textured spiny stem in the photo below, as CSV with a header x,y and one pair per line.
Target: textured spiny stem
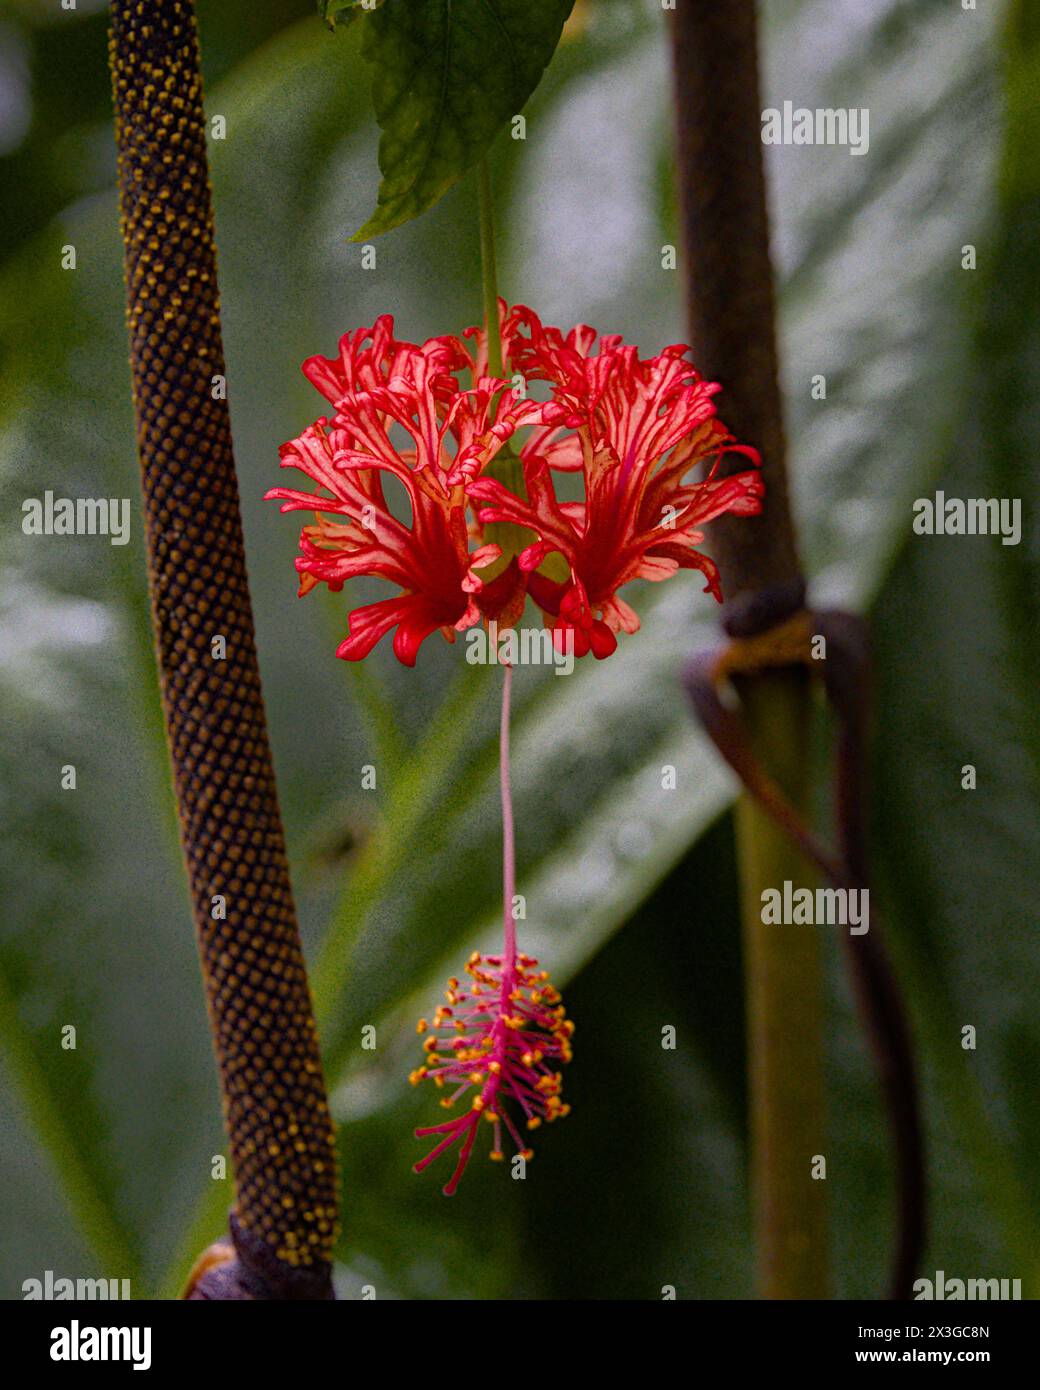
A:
x,y
279,1127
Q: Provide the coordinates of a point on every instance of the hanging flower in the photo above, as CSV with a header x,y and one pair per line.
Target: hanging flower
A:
x,y
378,383
640,427
472,453
500,1039
432,416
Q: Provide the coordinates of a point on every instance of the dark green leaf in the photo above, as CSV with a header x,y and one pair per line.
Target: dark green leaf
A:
x,y
447,75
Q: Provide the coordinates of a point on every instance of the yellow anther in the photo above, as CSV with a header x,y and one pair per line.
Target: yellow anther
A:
x,y
421,1026
478,1102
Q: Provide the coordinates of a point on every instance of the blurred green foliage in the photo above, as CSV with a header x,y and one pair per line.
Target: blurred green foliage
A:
x,y
631,896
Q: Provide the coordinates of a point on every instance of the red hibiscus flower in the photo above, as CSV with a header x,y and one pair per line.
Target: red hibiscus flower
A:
x,y
446,435
432,416
640,427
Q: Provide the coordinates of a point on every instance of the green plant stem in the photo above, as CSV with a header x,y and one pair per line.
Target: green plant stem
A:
x,y
731,312
506,466
784,990
489,269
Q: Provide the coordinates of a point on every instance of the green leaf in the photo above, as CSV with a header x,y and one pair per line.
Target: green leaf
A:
x,y
447,74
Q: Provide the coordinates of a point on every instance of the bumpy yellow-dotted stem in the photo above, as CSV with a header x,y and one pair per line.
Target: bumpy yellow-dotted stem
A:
x,y
281,1138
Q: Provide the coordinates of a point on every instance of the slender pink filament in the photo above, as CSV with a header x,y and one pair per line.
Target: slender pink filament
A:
x,y
508,843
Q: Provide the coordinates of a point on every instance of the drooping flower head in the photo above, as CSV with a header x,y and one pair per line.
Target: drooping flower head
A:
x,y
431,415
400,409
640,426
499,1040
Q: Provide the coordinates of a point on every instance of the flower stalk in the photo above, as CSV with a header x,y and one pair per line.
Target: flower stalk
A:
x,y
489,267
503,1034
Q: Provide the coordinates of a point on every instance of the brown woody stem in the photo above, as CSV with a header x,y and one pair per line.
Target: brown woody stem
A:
x,y
731,314
732,322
